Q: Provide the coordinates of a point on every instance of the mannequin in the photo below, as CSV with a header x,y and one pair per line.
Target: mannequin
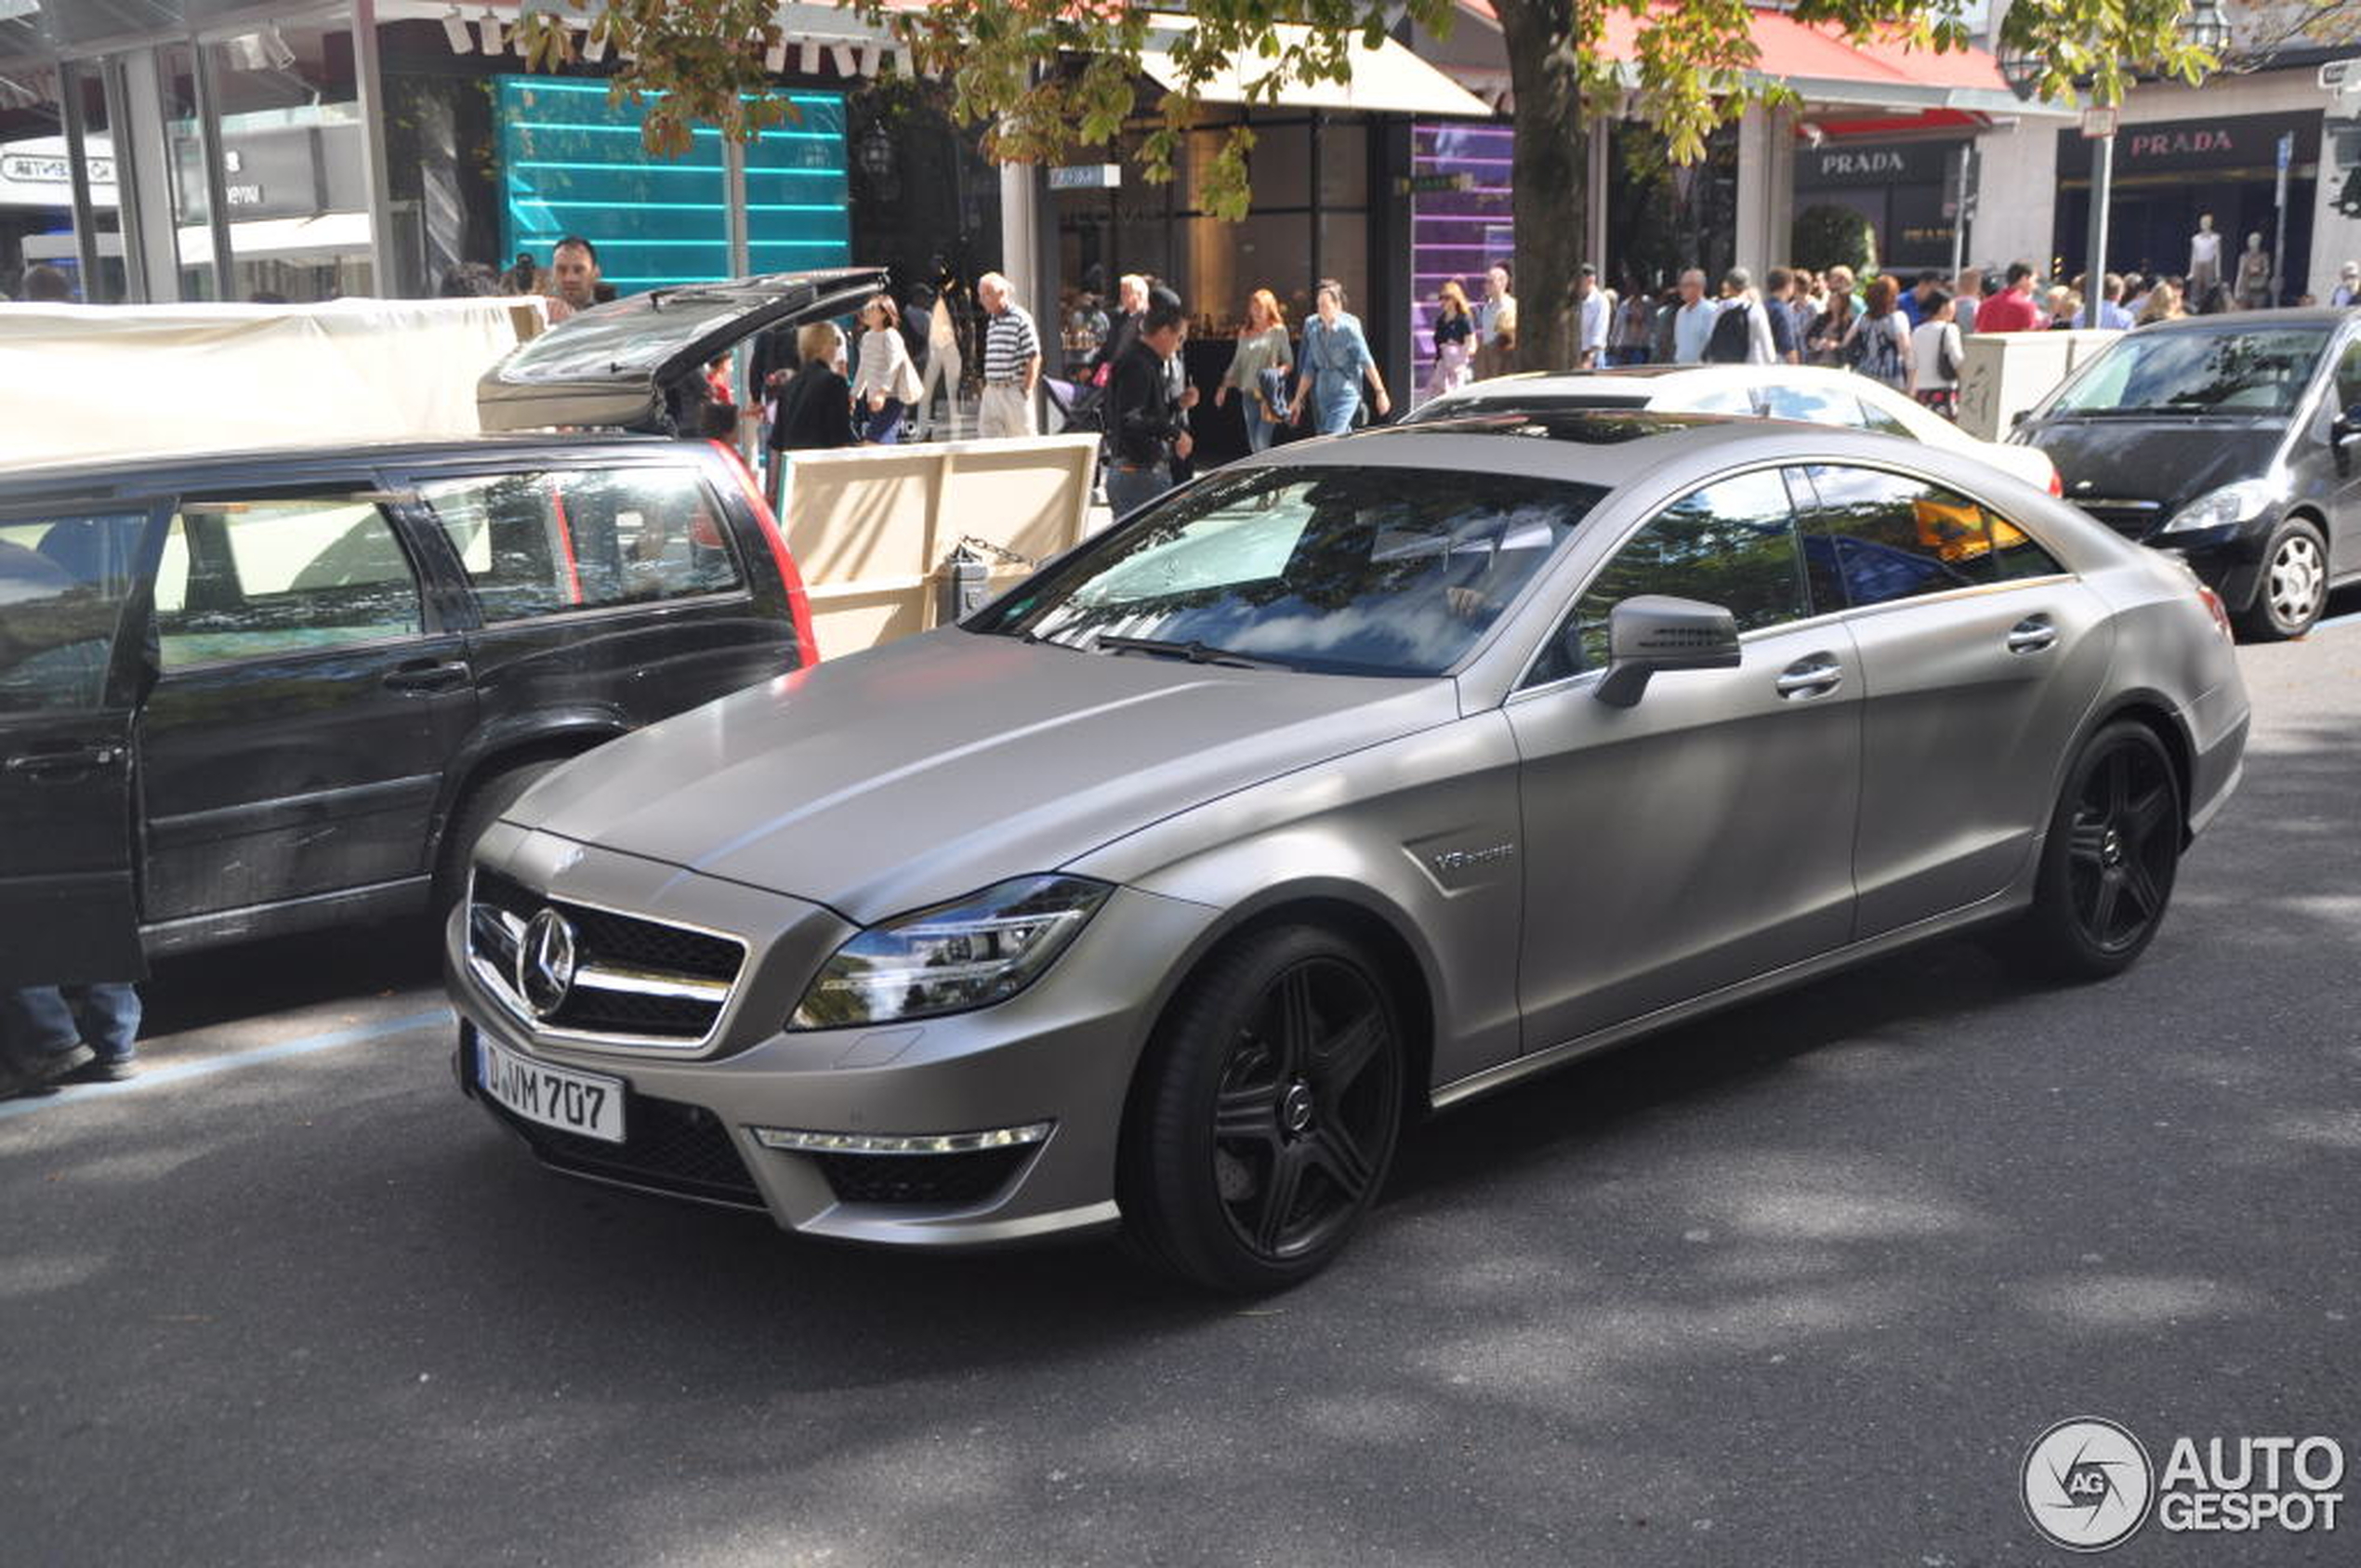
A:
x,y
2204,256
2254,274
942,354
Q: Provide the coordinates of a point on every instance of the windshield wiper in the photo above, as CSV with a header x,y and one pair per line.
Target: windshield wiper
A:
x,y
1194,651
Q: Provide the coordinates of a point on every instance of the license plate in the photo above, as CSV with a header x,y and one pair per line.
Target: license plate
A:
x,y
556,1097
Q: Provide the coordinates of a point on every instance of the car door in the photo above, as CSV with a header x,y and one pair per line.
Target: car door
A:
x,y
294,742
1979,656
70,615
607,589
1703,835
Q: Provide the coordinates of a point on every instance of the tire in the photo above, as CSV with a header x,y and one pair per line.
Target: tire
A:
x,y
1266,1115
2294,584
2109,862
485,799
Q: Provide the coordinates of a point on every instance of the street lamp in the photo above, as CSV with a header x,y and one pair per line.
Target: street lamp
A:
x,y
2208,28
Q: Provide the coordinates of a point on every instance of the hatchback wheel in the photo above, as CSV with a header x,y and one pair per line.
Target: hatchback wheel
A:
x,y
1267,1115
2107,867
2295,583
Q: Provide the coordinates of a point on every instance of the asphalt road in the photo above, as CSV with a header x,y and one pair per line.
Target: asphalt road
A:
x,y
1795,1285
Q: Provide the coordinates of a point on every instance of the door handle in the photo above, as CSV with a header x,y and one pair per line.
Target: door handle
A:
x,y
1815,676
427,675
2032,635
80,759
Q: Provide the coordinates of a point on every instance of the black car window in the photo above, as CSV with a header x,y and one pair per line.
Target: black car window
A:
x,y
243,579
1875,537
1731,544
1374,571
63,581
541,544
2348,376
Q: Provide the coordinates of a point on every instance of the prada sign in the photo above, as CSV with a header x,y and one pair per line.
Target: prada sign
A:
x,y
1874,163
2244,141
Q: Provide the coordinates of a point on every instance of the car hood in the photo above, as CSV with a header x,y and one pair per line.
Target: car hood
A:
x,y
2167,459
913,773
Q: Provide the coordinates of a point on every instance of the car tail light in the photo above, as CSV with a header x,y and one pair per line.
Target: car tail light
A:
x,y
799,602
2057,483
2219,611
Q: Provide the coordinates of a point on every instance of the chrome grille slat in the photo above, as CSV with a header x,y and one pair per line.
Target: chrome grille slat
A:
x,y
639,982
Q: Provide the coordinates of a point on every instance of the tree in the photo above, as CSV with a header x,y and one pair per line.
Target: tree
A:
x,y
1047,77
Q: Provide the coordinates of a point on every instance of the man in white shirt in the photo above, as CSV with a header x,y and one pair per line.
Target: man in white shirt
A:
x,y
2348,289
1693,319
1591,314
1741,335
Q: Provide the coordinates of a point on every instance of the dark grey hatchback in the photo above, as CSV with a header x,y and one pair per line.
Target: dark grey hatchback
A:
x,y
251,694
2230,441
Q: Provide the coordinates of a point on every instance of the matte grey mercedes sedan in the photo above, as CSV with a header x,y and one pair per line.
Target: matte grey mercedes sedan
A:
x,y
1350,781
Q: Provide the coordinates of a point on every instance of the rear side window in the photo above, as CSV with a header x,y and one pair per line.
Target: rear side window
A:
x,y
1813,405
542,543
1872,538
63,581
244,579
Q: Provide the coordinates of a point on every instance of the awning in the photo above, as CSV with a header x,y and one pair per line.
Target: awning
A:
x,y
1826,68
1385,80
282,239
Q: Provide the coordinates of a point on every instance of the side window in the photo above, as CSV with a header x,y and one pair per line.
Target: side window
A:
x,y
1885,424
1731,543
1877,537
63,581
247,579
648,534
2348,376
541,544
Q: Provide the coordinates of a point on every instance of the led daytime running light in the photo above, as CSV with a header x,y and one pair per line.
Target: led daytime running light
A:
x,y
900,1143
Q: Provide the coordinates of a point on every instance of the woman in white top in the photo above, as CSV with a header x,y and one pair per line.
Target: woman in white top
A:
x,y
887,383
1936,355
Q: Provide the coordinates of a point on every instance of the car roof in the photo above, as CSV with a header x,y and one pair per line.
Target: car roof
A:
x,y
1605,447
1644,379
146,471
2252,320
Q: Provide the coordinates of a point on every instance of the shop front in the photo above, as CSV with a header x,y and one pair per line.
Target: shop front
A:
x,y
2169,174
1901,187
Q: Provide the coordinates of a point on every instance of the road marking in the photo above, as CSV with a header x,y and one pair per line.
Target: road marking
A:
x,y
158,1077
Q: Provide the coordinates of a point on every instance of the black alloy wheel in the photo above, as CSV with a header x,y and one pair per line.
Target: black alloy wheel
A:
x,y
2113,849
1269,1116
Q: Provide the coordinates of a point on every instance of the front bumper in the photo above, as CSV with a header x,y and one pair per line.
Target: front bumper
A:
x,y
1062,1051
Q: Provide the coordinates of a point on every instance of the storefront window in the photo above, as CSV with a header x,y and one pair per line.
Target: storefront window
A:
x,y
574,164
1460,219
293,150
36,197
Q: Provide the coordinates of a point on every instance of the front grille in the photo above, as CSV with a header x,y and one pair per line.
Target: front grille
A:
x,y
2130,518
670,1147
921,1178
635,980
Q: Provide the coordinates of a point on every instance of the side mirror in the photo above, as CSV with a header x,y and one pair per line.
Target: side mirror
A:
x,y
2345,426
1653,632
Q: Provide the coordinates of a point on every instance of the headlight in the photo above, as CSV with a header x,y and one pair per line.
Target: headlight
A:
x,y
2242,502
970,953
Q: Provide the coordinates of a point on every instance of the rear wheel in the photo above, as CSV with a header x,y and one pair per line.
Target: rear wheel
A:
x,y
477,809
2294,586
2108,865
1268,1114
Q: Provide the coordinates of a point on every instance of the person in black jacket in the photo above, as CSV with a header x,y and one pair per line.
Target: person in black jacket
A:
x,y
815,406
1146,428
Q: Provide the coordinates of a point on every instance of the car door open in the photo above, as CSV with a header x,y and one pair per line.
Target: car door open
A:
x,y
71,599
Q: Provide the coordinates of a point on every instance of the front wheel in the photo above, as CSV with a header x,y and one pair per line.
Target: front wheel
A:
x,y
1267,1115
2294,586
2108,864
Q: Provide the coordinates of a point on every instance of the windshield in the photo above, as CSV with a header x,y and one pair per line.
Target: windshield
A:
x,y
2243,373
1352,571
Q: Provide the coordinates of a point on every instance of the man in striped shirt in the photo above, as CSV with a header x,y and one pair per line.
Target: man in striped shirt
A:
x,y
1011,361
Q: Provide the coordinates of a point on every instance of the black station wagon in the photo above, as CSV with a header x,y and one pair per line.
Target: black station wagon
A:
x,y
251,694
